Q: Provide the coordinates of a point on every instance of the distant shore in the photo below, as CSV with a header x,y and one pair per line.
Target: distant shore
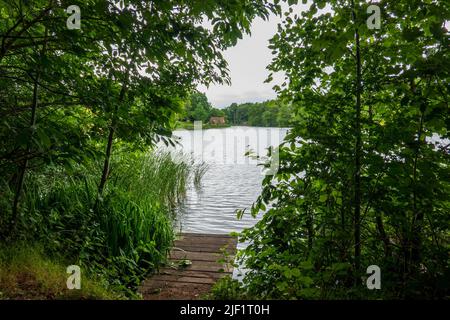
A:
x,y
190,126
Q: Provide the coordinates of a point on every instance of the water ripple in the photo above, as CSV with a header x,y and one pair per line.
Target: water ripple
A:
x,y
225,187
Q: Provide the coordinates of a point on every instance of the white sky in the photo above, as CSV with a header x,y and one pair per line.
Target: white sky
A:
x,y
247,62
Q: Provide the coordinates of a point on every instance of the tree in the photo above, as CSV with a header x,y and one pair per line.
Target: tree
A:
x,y
284,115
362,179
217,113
198,108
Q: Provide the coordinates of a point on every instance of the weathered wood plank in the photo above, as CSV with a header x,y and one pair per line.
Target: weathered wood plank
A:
x,y
193,273
207,235
192,255
157,280
205,240
157,285
204,266
206,248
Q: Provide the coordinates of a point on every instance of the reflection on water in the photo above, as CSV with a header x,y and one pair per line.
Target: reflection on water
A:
x,y
233,181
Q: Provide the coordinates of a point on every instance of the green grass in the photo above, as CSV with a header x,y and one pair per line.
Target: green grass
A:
x,y
27,273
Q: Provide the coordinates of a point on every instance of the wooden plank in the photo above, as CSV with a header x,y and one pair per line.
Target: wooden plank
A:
x,y
195,241
200,237
206,248
193,273
224,235
182,278
215,248
156,286
204,266
192,255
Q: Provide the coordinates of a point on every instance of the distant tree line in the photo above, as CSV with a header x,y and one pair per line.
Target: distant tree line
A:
x,y
272,113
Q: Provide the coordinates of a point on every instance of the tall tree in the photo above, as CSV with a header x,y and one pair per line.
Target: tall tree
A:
x,y
362,176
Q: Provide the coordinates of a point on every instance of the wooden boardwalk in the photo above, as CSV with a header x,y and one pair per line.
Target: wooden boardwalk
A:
x,y
196,262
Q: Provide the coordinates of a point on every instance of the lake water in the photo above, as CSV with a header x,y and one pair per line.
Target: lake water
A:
x,y
232,181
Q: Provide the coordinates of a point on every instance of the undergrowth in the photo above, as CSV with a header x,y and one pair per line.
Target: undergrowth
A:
x,y
121,236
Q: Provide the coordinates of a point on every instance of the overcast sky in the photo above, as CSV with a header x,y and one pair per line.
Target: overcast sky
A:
x,y
247,63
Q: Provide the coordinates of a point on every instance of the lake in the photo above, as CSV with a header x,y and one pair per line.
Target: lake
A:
x,y
232,181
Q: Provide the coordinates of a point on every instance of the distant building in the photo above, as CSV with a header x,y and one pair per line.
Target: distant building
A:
x,y
217,120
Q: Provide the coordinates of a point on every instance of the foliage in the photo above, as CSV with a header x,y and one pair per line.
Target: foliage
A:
x,y
122,75
130,230
272,113
226,288
198,108
364,172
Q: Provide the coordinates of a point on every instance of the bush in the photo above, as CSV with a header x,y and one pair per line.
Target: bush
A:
x,y
227,288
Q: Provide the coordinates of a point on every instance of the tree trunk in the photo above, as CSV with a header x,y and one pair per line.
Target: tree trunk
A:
x,y
112,130
358,150
416,228
24,165
382,234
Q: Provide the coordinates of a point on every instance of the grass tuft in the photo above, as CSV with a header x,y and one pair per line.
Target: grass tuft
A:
x,y
27,273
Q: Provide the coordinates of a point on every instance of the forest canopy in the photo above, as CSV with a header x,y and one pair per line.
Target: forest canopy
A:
x,y
198,108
